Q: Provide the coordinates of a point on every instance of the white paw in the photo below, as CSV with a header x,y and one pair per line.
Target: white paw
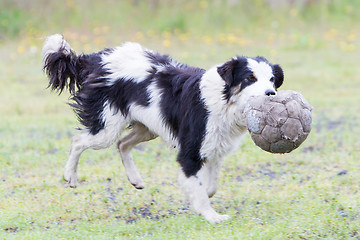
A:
x,y
211,192
71,177
214,218
138,183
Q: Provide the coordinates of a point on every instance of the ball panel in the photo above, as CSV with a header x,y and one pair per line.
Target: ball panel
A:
x,y
281,97
258,102
276,115
260,141
300,139
282,146
306,120
271,134
293,109
291,129
255,121
301,100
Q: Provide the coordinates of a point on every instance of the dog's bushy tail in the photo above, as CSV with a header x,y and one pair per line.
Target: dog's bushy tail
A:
x,y
60,64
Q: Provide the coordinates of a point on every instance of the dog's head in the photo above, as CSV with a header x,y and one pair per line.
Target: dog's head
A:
x,y
246,77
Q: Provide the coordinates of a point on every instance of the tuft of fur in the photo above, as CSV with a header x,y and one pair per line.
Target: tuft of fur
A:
x,y
60,64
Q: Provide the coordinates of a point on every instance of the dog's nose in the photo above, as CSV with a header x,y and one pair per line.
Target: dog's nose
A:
x,y
269,92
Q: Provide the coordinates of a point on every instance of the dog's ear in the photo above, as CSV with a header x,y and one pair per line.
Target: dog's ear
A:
x,y
279,75
226,71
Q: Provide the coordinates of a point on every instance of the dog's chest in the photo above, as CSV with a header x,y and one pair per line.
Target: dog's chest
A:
x,y
221,141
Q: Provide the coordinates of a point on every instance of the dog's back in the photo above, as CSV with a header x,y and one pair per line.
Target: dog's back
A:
x,y
125,79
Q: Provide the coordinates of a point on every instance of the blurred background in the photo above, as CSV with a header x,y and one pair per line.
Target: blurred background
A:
x,y
201,33
315,41
234,24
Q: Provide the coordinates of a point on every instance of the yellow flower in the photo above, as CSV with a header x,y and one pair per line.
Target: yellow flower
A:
x,y
105,29
348,8
166,43
231,38
70,3
166,34
347,47
241,42
203,4
208,40
351,37
150,33
21,49
270,40
177,31
139,36
96,31
331,34
99,41
183,37
294,12
350,47
293,37
222,38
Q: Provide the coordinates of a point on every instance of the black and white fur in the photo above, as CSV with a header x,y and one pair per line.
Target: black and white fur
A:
x,y
197,111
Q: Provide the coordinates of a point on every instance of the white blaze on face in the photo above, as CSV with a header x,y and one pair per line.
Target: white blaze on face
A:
x,y
263,72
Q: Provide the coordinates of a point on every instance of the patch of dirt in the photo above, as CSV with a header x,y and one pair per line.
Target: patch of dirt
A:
x,y
11,229
324,123
146,212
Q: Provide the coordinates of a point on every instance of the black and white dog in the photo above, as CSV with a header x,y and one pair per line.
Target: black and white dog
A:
x,y
197,111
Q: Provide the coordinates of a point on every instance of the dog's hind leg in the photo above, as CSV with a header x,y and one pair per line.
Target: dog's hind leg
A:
x,y
103,139
77,147
138,134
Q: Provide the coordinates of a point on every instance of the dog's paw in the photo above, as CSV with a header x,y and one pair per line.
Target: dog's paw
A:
x,y
215,218
211,191
135,179
71,178
137,183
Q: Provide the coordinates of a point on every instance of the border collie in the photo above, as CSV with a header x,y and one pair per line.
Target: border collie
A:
x,y
199,112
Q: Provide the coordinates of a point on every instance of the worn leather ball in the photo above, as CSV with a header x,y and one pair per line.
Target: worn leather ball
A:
x,y
279,123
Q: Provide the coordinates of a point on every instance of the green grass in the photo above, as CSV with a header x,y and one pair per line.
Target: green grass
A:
x,y
311,193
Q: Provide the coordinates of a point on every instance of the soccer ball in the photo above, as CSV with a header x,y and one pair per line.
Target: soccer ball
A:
x,y
279,123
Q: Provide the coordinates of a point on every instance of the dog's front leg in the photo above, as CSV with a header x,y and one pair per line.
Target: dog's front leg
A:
x,y
196,193
209,174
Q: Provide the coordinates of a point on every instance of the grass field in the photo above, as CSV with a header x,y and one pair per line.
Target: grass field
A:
x,y
311,193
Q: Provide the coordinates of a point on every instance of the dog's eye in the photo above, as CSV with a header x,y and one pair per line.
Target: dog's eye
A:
x,y
252,78
272,79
